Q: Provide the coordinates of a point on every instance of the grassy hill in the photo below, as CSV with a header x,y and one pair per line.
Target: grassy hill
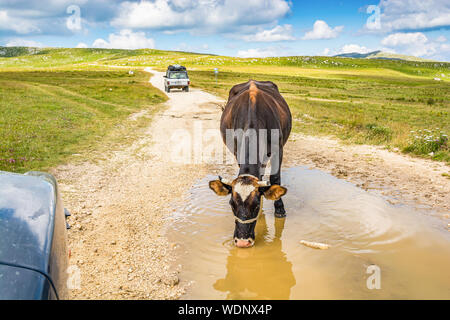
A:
x,y
22,57
56,101
378,54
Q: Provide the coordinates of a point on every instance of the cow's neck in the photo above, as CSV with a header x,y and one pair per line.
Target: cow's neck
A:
x,y
252,169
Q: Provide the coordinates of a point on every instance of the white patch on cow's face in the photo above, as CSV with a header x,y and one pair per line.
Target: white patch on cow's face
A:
x,y
243,190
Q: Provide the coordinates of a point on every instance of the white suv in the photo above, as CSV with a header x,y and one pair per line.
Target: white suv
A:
x,y
176,77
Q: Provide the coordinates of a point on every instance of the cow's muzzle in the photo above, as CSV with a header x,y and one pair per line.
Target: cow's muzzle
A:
x,y
244,243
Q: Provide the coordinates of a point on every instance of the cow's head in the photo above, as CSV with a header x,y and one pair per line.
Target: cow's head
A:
x,y
246,203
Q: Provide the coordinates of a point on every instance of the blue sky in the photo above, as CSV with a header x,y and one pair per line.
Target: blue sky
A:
x,y
250,28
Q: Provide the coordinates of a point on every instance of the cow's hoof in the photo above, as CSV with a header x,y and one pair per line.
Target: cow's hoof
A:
x,y
280,212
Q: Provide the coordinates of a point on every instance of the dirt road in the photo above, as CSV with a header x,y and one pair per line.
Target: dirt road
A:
x,y
119,205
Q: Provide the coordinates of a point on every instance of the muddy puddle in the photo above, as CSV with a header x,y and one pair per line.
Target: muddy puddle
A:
x,y
403,250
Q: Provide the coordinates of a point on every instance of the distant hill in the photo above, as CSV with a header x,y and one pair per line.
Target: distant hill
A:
x,y
28,57
8,52
378,54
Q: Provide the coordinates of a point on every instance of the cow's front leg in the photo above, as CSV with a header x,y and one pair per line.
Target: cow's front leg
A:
x,y
279,209
275,178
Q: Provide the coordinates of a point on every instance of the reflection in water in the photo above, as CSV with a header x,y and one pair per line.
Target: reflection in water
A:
x,y
246,267
410,246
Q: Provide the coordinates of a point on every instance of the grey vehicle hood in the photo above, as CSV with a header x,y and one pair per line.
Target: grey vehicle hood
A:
x,y
27,206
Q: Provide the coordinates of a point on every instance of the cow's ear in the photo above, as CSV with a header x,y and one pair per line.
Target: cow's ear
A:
x,y
273,192
219,188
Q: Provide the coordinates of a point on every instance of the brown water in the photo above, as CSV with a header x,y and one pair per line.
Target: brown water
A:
x,y
410,246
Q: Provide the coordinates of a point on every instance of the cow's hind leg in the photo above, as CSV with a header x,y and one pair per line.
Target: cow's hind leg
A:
x,y
275,178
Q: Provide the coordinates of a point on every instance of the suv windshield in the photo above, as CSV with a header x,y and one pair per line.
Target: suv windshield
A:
x,y
178,75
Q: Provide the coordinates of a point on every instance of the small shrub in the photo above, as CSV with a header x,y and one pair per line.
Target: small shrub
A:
x,y
378,133
442,156
427,141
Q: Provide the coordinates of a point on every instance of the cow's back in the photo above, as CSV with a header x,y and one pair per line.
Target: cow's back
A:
x,y
256,105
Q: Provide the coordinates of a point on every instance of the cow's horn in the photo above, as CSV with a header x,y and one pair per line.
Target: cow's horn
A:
x,y
263,183
225,181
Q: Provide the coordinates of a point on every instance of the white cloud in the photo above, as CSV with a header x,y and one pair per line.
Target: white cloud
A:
x,y
398,39
351,48
441,39
52,16
321,30
414,43
258,53
81,45
414,14
183,46
445,48
17,25
126,39
326,51
205,16
24,43
278,33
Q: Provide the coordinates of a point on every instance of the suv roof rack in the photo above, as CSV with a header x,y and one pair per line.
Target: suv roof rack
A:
x,y
176,67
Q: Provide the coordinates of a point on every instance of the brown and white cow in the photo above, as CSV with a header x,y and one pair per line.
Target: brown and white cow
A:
x,y
255,125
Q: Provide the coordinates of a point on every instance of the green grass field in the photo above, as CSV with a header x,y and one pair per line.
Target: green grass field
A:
x,y
46,116
369,109
56,102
